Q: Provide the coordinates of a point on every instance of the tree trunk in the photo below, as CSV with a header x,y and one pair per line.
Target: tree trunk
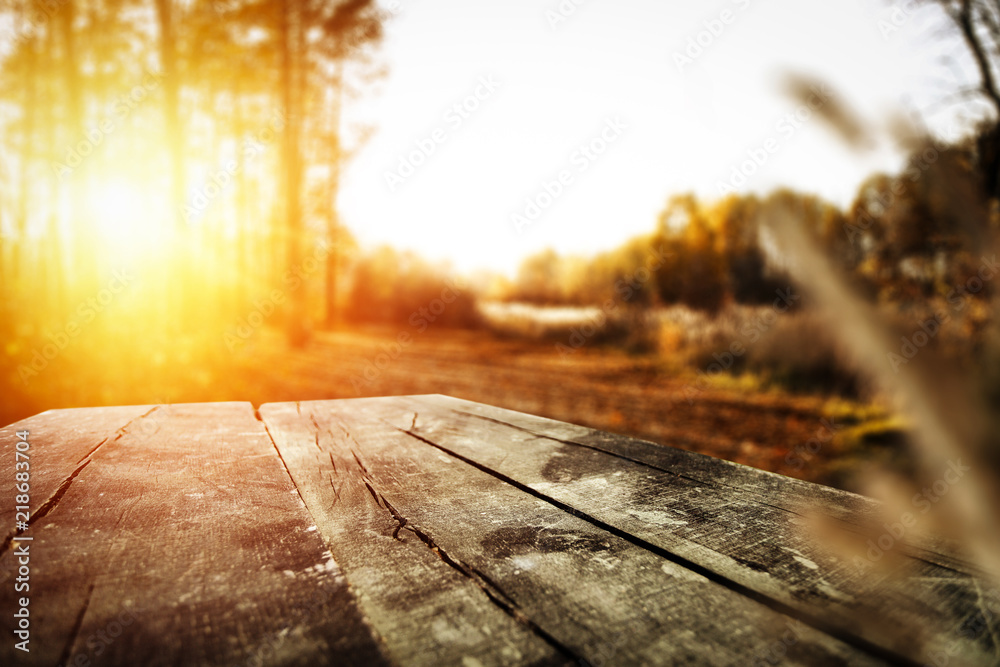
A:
x,y
59,246
989,140
245,231
333,217
27,160
175,139
73,128
291,29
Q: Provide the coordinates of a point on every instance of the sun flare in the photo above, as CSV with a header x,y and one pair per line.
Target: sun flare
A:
x,y
128,217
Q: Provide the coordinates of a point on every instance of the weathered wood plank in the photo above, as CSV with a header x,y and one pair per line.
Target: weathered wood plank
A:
x,y
428,612
732,534
65,441
788,493
186,543
590,591
768,486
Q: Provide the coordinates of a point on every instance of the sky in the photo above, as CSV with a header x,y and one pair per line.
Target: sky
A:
x,y
577,120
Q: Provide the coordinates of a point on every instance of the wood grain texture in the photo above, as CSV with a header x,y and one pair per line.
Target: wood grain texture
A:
x,y
187,543
61,443
590,593
738,536
856,511
426,530
428,612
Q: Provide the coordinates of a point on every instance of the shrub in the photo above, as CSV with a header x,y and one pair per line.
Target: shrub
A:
x,y
400,290
800,353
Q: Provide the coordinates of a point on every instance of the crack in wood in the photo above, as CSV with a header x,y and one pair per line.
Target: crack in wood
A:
x,y
758,498
371,491
312,418
854,527
336,493
348,587
284,464
95,448
605,451
51,503
54,499
811,620
46,507
77,625
119,433
493,592
358,459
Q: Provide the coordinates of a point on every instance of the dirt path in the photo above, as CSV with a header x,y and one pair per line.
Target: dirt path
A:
x,y
609,390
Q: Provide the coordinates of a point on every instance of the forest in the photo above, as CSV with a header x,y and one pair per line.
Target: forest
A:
x,y
172,137
170,232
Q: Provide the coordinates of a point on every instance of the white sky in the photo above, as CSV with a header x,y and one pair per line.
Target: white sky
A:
x,y
614,59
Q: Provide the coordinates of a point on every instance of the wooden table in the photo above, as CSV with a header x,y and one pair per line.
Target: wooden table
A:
x,y
427,530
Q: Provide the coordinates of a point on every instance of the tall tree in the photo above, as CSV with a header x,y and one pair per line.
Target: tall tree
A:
x,y
290,33
352,26
73,126
166,16
312,34
978,25
29,111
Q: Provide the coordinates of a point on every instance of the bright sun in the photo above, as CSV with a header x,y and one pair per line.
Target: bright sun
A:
x,y
128,217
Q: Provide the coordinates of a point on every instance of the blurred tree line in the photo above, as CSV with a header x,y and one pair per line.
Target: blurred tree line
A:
x,y
709,253
399,288
905,238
